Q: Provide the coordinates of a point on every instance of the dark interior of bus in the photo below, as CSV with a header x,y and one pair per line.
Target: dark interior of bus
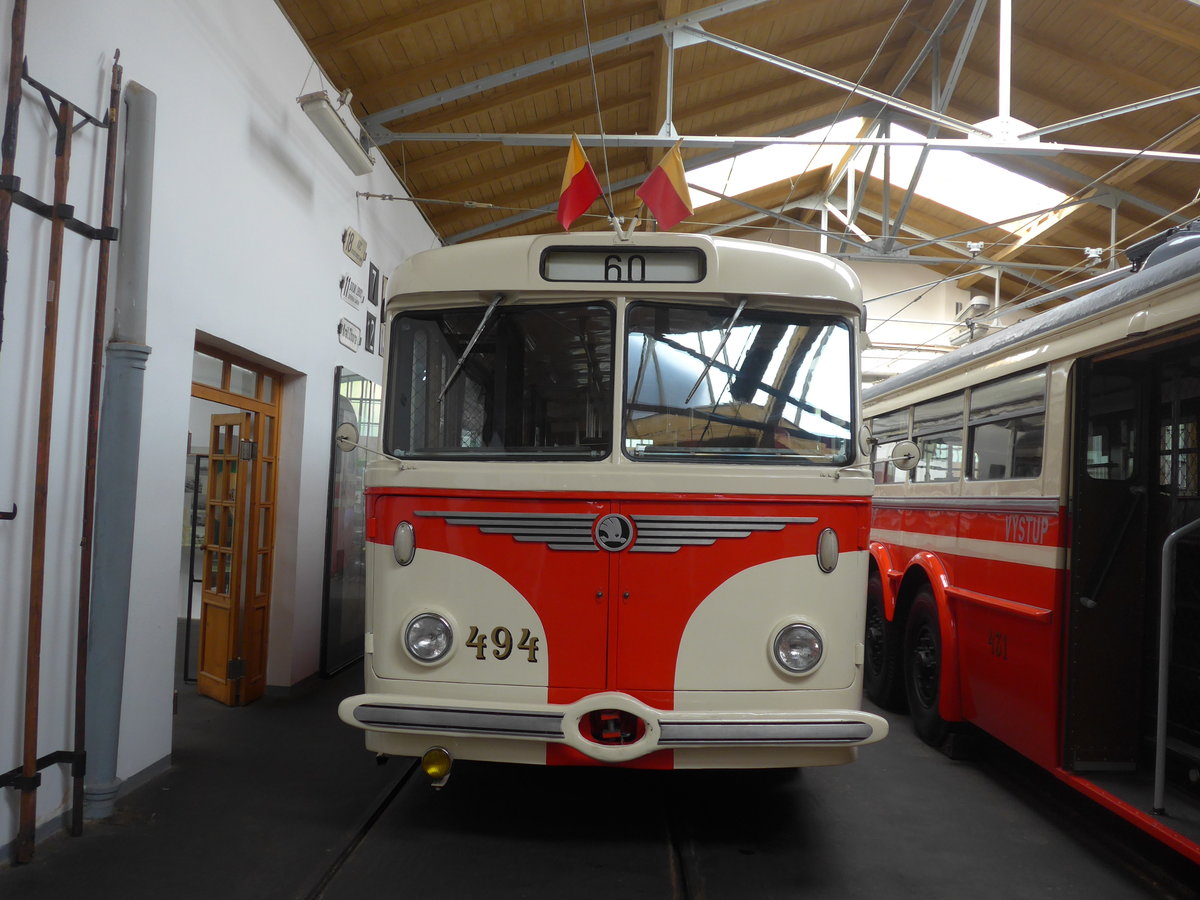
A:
x,y
1136,481
525,380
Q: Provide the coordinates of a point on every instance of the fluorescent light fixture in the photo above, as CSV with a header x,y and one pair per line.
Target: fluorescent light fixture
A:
x,y
318,108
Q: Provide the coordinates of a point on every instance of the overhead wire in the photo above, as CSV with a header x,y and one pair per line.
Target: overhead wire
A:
x,y
587,37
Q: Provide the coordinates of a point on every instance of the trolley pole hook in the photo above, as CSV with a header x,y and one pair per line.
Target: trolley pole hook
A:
x,y
6,516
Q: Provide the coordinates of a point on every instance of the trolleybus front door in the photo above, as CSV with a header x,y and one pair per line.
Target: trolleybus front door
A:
x,y
1108,583
1175,502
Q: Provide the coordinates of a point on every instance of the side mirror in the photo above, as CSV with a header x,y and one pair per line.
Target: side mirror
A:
x,y
905,455
865,440
345,437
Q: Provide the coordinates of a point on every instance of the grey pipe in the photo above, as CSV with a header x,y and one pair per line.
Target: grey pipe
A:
x,y
117,461
1165,614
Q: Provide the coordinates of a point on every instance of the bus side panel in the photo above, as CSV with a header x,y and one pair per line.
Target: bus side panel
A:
x,y
1001,575
1009,622
1009,657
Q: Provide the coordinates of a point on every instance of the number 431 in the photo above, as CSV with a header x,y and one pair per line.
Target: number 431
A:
x,y
502,643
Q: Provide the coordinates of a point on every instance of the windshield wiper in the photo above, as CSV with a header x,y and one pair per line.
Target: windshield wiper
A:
x,y
713,358
470,345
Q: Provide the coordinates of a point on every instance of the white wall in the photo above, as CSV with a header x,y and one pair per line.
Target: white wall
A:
x,y
249,207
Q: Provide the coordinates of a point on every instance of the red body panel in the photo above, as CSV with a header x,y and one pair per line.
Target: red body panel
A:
x,y
614,619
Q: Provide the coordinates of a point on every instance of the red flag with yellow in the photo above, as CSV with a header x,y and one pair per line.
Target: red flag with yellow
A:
x,y
665,190
580,187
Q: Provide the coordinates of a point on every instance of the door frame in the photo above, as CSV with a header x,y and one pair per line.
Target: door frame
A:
x,y
238,376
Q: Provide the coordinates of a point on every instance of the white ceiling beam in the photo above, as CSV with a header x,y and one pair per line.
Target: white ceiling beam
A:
x,y
977,146
374,122
914,109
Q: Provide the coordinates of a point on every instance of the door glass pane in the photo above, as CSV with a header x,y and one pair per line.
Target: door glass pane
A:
x,y
1112,428
264,481
242,381
268,389
206,369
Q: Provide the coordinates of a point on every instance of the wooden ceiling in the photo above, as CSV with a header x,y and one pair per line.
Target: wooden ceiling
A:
x,y
446,70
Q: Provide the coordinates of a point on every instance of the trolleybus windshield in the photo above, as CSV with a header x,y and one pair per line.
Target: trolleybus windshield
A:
x,y
740,385
717,383
533,381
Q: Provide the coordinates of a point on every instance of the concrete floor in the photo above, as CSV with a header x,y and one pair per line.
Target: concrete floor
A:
x,y
279,800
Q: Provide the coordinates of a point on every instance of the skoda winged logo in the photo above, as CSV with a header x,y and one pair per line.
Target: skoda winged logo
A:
x,y
613,532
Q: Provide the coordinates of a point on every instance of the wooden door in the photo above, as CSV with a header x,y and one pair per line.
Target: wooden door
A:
x,y
222,600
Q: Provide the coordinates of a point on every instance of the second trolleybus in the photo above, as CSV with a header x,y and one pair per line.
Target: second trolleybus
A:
x,y
612,521
1037,574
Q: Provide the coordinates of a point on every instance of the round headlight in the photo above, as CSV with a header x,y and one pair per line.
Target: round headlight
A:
x,y
428,637
798,648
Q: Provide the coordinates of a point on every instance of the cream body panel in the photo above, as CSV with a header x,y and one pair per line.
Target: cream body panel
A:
x,y
512,264
618,475
531,753
952,545
463,592
783,591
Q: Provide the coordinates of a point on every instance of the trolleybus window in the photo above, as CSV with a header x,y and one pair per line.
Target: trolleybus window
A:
x,y
527,380
887,430
1007,421
738,385
937,429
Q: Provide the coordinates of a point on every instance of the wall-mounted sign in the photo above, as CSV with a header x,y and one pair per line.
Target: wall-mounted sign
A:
x,y
352,292
354,245
349,334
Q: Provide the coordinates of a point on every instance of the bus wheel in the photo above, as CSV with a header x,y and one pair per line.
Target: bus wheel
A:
x,y
882,679
922,668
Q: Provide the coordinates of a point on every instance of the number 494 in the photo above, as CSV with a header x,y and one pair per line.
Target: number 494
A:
x,y
502,644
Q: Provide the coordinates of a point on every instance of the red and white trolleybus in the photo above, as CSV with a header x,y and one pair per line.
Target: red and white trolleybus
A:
x,y
610,523
1037,574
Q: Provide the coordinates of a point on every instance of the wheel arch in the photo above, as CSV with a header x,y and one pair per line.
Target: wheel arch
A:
x,y
926,569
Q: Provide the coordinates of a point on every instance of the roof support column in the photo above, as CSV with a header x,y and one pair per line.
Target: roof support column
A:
x,y
1004,98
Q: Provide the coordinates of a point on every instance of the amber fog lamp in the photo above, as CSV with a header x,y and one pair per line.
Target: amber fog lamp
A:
x,y
436,764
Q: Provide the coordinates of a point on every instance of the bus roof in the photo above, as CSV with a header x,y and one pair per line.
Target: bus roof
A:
x,y
1102,300
732,266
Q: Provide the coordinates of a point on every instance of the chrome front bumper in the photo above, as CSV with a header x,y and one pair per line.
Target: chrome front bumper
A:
x,y
664,730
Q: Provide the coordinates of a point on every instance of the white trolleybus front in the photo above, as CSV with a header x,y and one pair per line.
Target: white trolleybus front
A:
x,y
617,518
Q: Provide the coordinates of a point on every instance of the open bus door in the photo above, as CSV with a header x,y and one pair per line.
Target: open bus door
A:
x,y
1109,589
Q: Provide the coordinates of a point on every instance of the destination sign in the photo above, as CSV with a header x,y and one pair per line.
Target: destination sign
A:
x,y
633,265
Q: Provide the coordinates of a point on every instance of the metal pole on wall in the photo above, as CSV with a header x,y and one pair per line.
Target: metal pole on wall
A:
x,y
89,475
37,567
8,145
117,461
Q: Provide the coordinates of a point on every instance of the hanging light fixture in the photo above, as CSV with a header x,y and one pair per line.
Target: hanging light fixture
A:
x,y
325,116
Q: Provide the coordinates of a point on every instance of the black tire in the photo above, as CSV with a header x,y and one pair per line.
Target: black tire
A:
x,y
923,668
883,682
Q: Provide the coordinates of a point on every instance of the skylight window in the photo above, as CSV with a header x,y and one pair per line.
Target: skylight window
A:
x,y
952,178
